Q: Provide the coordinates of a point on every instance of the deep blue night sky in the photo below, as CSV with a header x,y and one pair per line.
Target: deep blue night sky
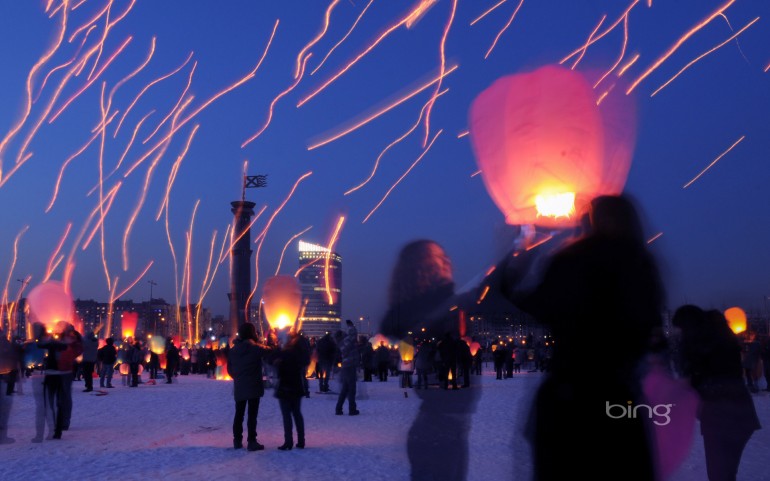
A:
x,y
715,233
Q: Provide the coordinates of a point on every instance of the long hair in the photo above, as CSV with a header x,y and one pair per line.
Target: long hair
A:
x,y
422,266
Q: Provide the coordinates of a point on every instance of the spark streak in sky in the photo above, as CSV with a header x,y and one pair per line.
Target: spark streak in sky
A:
x,y
442,69
381,111
285,246
606,31
301,55
464,133
175,170
343,38
620,57
628,65
89,23
689,64
501,32
176,105
30,78
654,238
399,139
139,95
275,101
10,270
585,46
425,151
714,162
55,259
65,64
490,10
678,44
329,250
358,57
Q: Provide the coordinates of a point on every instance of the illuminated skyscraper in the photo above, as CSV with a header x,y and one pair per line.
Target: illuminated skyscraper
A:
x,y
321,300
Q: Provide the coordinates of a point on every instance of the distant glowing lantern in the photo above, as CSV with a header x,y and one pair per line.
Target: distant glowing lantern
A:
x,y
545,148
475,346
158,344
282,300
494,347
128,323
736,319
50,303
406,350
124,369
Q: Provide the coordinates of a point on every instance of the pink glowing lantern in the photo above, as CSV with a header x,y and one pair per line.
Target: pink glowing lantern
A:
x,y
128,323
282,299
475,346
50,303
545,148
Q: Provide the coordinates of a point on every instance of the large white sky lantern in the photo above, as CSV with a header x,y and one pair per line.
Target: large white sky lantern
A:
x,y
544,146
50,303
282,299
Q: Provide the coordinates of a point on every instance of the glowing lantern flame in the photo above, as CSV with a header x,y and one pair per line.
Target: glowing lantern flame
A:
x,y
406,350
282,299
158,344
545,148
736,319
475,346
128,324
50,303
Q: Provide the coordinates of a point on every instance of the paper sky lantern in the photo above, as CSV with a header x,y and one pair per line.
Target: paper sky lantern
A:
x,y
281,299
736,319
158,344
475,346
128,324
406,350
50,303
377,339
545,148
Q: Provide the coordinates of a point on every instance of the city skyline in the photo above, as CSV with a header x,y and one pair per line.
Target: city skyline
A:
x,y
714,232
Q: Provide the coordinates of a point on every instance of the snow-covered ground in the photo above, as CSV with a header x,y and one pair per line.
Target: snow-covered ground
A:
x,y
183,431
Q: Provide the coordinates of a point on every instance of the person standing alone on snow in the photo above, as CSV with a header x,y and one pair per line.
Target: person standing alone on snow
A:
x,y
350,358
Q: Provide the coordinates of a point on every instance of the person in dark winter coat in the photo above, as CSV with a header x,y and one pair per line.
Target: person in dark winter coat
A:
x,y
90,347
348,374
609,281
447,348
244,364
172,360
289,362
327,352
107,357
711,358
464,361
367,359
134,359
498,358
53,382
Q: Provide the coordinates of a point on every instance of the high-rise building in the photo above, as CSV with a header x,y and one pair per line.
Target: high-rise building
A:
x,y
320,279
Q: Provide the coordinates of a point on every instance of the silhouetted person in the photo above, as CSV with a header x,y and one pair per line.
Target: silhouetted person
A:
x,y
751,358
367,359
8,363
107,355
90,347
421,294
289,362
172,360
498,360
327,351
244,364
603,289
134,359
382,358
350,358
711,359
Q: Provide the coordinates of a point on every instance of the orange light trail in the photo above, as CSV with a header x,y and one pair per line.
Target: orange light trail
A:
x,y
275,101
219,94
538,244
588,42
306,265
714,162
286,246
399,139
28,104
300,66
767,68
176,105
55,259
490,271
483,295
102,211
65,64
139,95
13,266
654,238
328,256
130,142
133,284
462,134
167,138
89,23
604,95
108,25
81,2
501,32
343,38
175,170
490,10
475,173
208,278
107,121
678,44
55,10
628,65
64,165
262,235
703,55
425,151
382,111
187,278
133,72
368,49
419,12
603,34
620,57
92,80
442,69
48,6
247,229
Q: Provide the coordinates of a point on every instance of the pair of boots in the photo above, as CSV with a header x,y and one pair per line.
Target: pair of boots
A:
x,y
250,446
287,445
